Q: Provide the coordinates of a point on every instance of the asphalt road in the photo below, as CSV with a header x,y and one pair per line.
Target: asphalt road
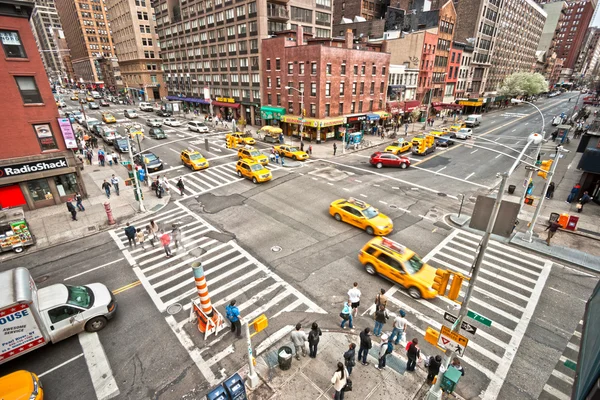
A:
x,y
275,249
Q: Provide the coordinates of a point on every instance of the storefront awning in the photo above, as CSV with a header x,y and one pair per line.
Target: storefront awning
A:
x,y
373,117
313,122
188,99
446,106
268,112
471,102
383,114
222,104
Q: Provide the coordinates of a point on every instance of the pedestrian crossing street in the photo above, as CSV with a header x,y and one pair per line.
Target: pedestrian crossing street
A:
x,y
508,289
231,273
213,177
560,382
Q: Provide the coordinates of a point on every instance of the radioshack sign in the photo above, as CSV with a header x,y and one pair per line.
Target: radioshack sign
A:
x,y
32,167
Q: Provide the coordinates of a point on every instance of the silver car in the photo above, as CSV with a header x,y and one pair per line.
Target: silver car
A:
x,y
154,122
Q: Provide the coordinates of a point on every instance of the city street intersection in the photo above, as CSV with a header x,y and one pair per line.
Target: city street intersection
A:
x,y
275,249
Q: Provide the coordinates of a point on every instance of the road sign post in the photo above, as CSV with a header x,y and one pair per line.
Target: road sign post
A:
x,y
452,341
464,325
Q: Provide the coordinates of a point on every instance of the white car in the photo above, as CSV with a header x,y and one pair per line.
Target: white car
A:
x,y
197,126
558,120
79,118
464,133
171,122
154,122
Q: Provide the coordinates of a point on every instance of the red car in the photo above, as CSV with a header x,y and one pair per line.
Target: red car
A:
x,y
381,159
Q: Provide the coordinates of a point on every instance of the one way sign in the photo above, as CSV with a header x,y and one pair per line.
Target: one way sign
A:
x,y
466,326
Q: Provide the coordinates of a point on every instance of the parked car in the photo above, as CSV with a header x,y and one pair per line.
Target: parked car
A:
x,y
384,159
122,145
149,160
154,122
92,105
172,122
131,114
163,113
146,107
90,122
157,133
464,133
197,126
104,103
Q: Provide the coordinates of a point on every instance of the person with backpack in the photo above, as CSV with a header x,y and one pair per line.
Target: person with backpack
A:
x,y
299,341
346,316
385,348
586,198
381,299
365,346
350,358
339,381
433,367
412,353
233,315
180,186
381,317
313,340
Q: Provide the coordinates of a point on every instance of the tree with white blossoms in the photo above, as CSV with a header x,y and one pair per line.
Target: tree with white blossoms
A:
x,y
524,84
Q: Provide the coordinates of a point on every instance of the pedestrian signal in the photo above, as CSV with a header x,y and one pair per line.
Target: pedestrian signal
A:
x,y
440,282
455,287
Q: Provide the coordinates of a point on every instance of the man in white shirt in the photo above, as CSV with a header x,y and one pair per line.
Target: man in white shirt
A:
x,y
354,298
115,182
399,330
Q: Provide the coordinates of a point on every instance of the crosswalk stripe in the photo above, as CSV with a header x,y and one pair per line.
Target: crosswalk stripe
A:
x,y
260,310
265,292
563,377
502,253
291,307
556,393
165,261
210,176
192,182
240,291
200,181
508,250
573,346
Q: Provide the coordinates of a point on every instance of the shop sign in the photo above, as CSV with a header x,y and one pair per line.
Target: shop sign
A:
x,y
332,122
471,103
226,99
67,132
32,167
356,118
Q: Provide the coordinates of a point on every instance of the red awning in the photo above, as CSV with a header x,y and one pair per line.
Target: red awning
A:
x,y
222,104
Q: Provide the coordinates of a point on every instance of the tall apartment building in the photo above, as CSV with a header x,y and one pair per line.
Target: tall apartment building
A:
x,y
88,35
44,21
577,18
516,40
211,48
586,52
136,45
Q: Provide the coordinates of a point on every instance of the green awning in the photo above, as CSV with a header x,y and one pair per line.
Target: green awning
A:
x,y
267,112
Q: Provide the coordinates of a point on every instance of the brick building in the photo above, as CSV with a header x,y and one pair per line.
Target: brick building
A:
x,y
454,62
37,169
337,81
446,22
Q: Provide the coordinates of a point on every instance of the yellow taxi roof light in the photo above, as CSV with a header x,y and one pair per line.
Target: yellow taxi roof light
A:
x,y
390,244
358,202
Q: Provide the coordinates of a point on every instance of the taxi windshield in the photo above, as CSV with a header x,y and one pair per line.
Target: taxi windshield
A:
x,y
246,135
255,153
293,149
413,264
149,157
80,296
256,167
196,156
370,212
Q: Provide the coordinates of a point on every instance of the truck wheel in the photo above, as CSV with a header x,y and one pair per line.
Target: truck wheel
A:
x,y
370,269
18,249
95,324
414,292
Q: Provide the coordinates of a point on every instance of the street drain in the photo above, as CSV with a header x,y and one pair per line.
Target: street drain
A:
x,y
276,249
174,308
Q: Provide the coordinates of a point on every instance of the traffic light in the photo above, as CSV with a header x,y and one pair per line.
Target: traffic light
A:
x,y
422,147
429,140
440,282
229,142
546,164
455,287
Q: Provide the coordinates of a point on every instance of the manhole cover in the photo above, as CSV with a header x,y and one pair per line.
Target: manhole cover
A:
x,y
393,206
442,194
276,249
42,278
174,308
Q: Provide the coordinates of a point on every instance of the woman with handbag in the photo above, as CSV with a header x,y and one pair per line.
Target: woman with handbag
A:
x,y
350,358
346,316
339,381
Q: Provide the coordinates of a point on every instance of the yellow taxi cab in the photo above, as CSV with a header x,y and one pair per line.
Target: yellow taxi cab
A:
x,y
251,153
89,98
108,118
398,147
358,213
290,151
457,126
21,385
252,170
441,132
239,137
74,97
400,265
194,160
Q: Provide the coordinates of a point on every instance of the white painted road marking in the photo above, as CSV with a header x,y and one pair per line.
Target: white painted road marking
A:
x,y
60,365
98,365
93,269
470,175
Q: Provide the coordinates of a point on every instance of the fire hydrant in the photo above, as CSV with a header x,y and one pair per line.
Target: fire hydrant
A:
x,y
111,220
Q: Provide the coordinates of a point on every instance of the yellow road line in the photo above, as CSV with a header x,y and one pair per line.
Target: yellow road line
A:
x,y
483,134
126,287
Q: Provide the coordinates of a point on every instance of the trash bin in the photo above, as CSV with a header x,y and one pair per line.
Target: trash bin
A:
x,y
554,217
284,357
511,189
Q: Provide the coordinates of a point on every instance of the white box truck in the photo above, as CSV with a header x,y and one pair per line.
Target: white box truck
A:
x,y
32,317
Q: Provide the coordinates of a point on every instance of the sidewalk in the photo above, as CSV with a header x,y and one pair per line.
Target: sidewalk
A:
x,y
312,377
53,225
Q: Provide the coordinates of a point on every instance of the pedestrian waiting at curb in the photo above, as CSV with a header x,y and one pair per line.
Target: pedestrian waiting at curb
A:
x,y
550,191
334,148
233,315
350,358
299,341
456,364
412,353
573,193
381,299
313,340
130,233
399,330
346,316
381,317
433,365
339,381
354,298
386,347
365,346
586,198
79,201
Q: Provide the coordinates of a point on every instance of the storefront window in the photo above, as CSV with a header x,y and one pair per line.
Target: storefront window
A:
x,y
45,137
66,184
39,190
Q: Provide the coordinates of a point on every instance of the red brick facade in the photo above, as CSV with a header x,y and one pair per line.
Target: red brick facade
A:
x,y
424,86
452,76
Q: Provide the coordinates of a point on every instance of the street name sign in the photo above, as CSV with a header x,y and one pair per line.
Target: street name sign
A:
x,y
452,341
479,318
464,325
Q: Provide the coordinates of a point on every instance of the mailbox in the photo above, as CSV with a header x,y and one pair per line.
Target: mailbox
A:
x,y
450,379
572,224
234,385
218,393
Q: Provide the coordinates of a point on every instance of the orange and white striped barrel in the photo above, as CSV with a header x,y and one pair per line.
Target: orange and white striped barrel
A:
x,y
202,288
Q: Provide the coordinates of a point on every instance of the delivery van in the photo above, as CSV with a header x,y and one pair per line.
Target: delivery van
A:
x,y
146,107
32,317
473,120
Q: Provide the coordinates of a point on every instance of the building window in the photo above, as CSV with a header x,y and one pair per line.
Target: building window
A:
x,y
382,70
313,68
362,88
328,89
380,104
327,109
269,83
277,64
362,69
313,89
341,109
290,68
328,69
278,82
278,99
374,71
11,43
301,68
66,184
343,69
45,137
29,90
353,108
291,107
342,88
360,104
356,70
269,98
381,87
268,64
39,190
372,90
354,88
313,110
371,105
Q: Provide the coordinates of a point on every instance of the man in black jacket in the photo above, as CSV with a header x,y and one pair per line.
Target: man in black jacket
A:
x,y
433,367
365,346
130,233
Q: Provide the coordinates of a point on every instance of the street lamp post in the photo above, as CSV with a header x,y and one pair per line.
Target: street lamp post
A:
x,y
301,110
435,393
539,148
